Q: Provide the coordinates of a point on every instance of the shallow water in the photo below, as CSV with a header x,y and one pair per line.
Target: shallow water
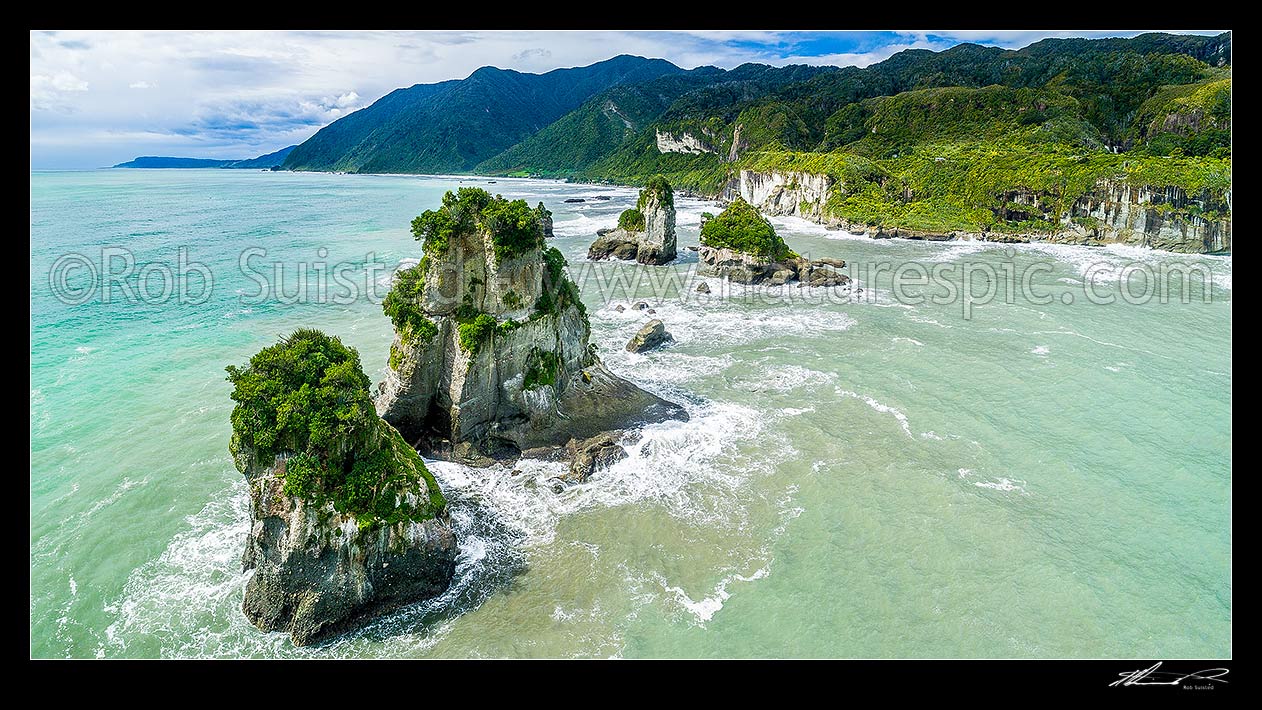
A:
x,y
861,477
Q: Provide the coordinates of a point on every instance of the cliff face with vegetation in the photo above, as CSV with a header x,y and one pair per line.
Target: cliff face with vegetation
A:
x,y
1113,210
453,125
347,522
492,353
933,144
646,232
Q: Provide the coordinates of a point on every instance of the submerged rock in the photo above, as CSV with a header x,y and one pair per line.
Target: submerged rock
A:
x,y
652,335
646,233
599,452
492,353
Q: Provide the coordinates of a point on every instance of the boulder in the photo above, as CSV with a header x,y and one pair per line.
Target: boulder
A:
x,y
598,452
652,335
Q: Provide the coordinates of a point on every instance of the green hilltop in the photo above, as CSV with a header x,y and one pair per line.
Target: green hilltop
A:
x,y
923,140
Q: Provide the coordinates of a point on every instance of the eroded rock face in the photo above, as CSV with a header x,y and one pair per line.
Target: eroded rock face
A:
x,y
1113,212
683,143
743,268
316,574
532,381
655,243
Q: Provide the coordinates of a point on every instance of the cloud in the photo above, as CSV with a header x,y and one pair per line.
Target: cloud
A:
x,y
533,54
48,90
141,85
252,119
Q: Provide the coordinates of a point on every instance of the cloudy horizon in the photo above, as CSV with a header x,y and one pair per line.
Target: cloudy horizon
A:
x,y
103,97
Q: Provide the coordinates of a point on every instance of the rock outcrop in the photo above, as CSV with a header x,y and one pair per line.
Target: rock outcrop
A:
x,y
1160,218
740,245
545,220
684,142
492,354
652,335
645,234
1112,212
316,573
587,457
347,522
744,268
796,194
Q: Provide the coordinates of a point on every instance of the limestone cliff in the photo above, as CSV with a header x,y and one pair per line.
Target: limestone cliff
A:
x,y
492,354
645,233
1113,211
347,523
684,142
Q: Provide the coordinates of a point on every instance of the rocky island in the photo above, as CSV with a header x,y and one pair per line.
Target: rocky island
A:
x,y
740,245
346,521
645,233
491,355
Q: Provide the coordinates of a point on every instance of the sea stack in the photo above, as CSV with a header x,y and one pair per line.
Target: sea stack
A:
x,y
645,233
346,521
491,354
740,245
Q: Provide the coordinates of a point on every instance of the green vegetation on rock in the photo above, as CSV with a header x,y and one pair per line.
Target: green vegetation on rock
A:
x,y
542,367
475,332
631,220
515,227
658,187
403,306
559,292
742,228
307,399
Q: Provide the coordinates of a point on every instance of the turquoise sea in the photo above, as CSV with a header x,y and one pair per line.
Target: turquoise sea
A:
x,y
870,477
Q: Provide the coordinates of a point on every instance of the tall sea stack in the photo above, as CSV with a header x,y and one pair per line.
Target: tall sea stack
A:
x,y
645,233
491,354
347,523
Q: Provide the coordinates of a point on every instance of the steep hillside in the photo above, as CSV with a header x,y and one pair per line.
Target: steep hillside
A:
x,y
454,125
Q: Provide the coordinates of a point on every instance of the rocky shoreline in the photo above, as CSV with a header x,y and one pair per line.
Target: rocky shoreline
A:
x,y
1113,212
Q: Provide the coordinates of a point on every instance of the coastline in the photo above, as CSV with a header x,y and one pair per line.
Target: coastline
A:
x,y
828,222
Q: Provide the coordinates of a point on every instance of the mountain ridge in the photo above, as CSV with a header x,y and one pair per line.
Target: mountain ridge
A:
x,y
267,160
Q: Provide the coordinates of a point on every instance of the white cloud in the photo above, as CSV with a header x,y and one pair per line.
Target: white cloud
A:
x,y
141,85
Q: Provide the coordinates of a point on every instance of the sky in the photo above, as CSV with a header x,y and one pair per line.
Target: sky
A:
x,y
104,97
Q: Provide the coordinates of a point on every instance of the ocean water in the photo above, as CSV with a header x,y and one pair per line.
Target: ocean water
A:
x,y
862,477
